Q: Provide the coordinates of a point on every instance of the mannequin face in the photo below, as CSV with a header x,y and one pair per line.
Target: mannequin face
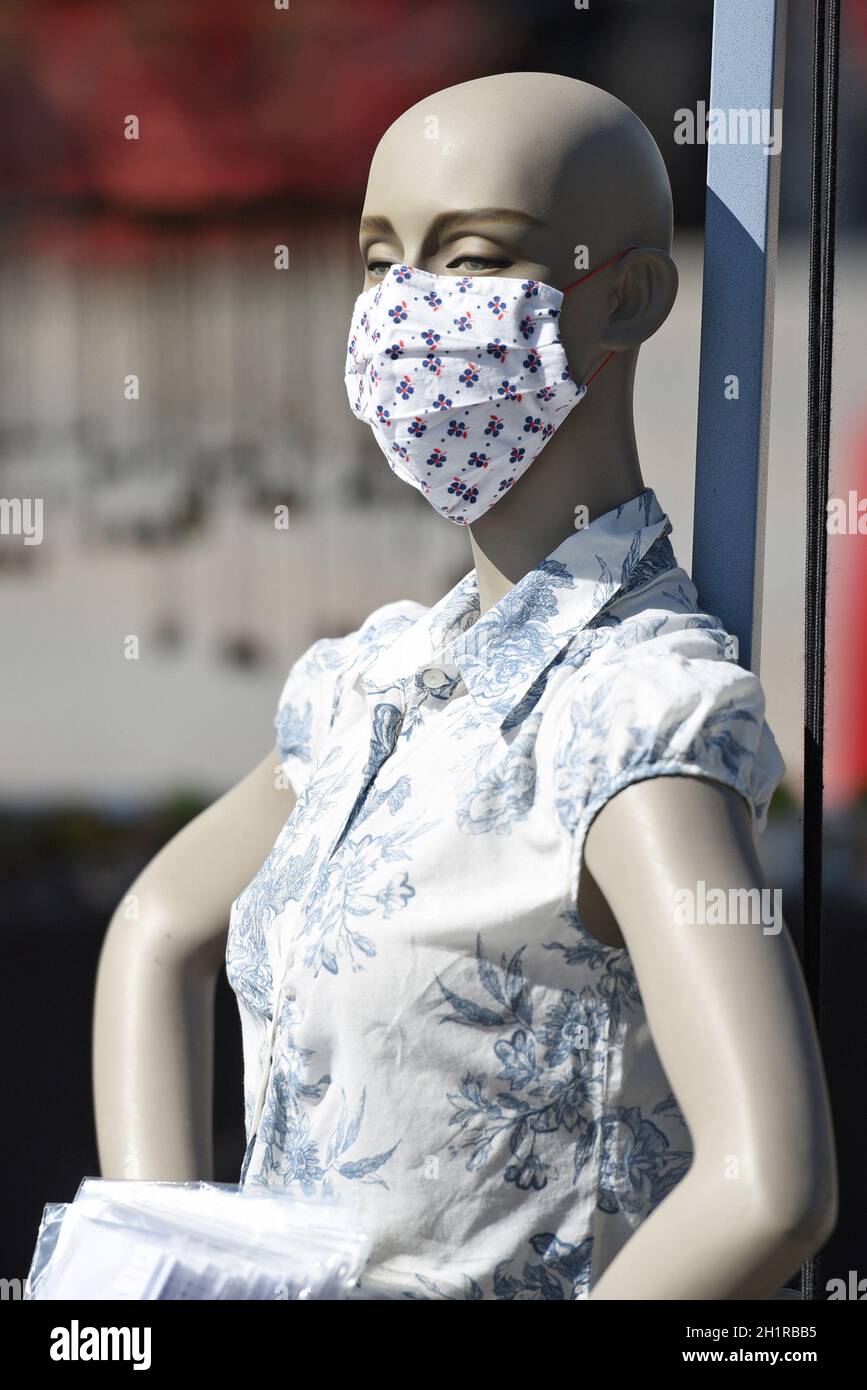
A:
x,y
507,176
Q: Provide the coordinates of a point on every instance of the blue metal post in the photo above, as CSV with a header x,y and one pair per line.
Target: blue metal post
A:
x,y
740,248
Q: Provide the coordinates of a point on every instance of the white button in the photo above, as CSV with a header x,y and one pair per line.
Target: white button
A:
x,y
434,678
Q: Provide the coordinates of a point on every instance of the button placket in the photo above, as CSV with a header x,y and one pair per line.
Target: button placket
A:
x,y
393,695
383,741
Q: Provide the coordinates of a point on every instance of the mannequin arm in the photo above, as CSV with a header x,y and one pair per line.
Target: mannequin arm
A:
x,y
732,1024
153,1032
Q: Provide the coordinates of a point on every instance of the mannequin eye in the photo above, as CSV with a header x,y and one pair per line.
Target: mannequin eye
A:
x,y
379,267
477,264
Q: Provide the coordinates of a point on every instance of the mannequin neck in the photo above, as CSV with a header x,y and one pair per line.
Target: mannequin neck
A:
x,y
591,461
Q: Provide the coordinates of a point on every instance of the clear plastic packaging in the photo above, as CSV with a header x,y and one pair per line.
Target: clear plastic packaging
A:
x,y
137,1240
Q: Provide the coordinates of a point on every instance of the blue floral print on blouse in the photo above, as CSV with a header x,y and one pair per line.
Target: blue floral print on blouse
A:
x,y
427,1024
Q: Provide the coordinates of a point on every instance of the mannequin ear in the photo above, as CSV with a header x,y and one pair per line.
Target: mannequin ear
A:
x,y
644,291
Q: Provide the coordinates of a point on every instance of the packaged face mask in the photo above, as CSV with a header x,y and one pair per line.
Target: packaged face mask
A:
x,y
148,1240
463,380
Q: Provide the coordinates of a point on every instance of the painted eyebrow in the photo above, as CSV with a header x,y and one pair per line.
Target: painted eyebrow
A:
x,y
381,226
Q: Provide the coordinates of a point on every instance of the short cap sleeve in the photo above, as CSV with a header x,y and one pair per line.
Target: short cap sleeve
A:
x,y
313,690
670,706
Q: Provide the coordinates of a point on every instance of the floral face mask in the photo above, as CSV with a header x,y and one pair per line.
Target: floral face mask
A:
x,y
462,380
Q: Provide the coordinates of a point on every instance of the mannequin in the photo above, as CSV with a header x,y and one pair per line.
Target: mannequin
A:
x,y
553,164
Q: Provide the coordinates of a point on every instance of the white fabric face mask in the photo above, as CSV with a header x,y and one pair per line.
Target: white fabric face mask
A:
x,y
462,380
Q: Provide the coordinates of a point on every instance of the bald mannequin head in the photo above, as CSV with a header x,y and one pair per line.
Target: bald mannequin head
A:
x,y
536,176
569,154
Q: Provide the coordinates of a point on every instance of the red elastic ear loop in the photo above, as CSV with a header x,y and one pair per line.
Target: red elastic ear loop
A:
x,y
610,261
580,281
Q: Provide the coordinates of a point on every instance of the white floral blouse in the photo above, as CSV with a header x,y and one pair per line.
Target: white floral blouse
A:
x,y
426,1022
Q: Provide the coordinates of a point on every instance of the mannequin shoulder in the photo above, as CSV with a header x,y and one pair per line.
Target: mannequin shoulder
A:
x,y
656,694
652,670
387,622
379,629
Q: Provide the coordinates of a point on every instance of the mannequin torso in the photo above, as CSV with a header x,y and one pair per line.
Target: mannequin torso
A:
x,y
526,168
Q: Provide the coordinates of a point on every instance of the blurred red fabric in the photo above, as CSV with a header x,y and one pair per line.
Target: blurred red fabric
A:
x,y
235,102
846,673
